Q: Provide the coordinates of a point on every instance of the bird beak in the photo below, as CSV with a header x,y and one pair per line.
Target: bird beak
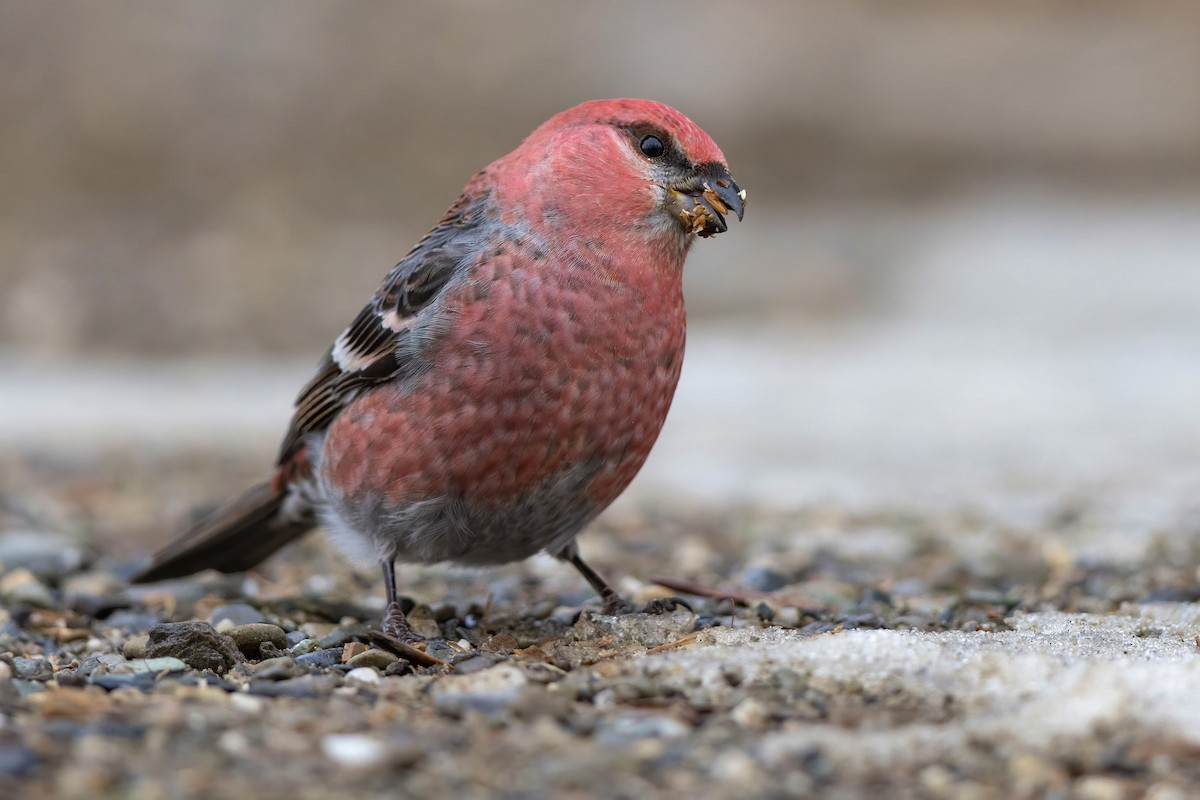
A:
x,y
702,201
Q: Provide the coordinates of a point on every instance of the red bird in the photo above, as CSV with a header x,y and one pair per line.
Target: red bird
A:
x,y
508,379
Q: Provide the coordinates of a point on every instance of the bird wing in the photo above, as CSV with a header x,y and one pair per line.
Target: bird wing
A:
x,y
379,344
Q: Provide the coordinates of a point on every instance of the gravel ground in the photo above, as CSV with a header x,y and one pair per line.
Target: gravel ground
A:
x,y
826,651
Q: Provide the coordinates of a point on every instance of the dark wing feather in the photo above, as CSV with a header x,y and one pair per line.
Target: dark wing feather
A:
x,y
372,349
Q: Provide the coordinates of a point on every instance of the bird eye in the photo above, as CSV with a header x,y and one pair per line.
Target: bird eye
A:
x,y
652,146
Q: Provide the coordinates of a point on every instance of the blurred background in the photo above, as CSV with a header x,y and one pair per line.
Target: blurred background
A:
x,y
971,257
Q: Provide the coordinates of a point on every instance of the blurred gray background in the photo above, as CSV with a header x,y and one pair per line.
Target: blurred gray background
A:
x,y
973,234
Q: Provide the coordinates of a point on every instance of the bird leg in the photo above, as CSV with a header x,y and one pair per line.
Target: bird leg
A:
x,y
394,622
613,602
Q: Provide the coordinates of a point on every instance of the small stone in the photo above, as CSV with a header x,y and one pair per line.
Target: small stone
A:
x,y
236,613
353,649
487,690
153,665
763,579
195,643
6,671
788,616
751,713
294,638
317,630
92,584
22,586
246,703
135,647
344,633
17,760
33,669
250,637
276,669
354,750
624,728
363,676
379,659
321,659
308,686
1099,787
303,647
47,555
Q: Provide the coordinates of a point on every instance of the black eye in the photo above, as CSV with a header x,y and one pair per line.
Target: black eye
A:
x,y
652,146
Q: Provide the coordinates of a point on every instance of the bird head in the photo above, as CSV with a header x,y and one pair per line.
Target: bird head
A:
x,y
637,164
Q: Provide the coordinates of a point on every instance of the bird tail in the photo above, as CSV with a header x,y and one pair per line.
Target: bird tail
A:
x,y
237,536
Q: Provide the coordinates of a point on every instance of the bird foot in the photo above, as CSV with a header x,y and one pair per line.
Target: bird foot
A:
x,y
618,607
395,625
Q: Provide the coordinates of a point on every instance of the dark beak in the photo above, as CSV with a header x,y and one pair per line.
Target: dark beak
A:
x,y
703,201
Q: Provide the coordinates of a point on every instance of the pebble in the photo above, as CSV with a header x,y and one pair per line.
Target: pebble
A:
x,y
764,579
751,713
46,555
33,669
6,672
145,681
250,637
354,750
344,633
97,583
22,586
788,616
363,676
304,646
488,690
321,658
353,649
625,728
317,630
129,621
276,669
135,647
17,761
307,686
379,659
153,665
195,643
294,638
231,615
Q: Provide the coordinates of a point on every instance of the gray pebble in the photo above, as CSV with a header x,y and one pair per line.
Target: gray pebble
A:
x,y
379,659
22,586
154,665
195,643
135,647
130,621
33,669
250,637
307,686
236,614
304,646
762,579
321,659
275,669
625,728
17,760
294,638
345,633
47,555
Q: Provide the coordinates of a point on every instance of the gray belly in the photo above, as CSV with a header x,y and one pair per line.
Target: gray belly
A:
x,y
449,528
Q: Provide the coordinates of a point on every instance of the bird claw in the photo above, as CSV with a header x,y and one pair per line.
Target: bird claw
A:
x,y
618,607
665,605
395,625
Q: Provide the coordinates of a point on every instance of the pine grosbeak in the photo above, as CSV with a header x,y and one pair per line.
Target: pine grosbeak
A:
x,y
508,379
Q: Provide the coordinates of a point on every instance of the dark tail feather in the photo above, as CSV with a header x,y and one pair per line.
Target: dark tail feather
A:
x,y
233,539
